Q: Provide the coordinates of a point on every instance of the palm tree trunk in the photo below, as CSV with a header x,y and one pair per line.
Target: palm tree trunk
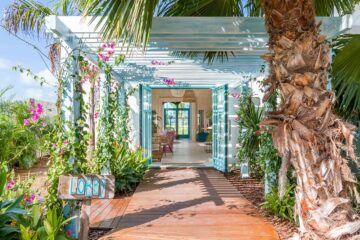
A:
x,y
305,123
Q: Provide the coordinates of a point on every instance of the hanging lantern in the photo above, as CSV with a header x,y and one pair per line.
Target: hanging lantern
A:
x,y
177,92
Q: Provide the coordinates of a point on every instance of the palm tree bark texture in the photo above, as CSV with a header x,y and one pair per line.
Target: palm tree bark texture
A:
x,y
305,124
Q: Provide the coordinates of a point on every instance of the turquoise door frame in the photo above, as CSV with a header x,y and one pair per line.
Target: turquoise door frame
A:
x,y
219,118
146,121
177,110
220,128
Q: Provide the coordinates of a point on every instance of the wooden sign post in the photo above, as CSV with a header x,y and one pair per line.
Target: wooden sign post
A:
x,y
84,188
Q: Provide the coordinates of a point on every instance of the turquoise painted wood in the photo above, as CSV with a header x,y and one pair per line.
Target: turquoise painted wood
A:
x,y
146,121
220,128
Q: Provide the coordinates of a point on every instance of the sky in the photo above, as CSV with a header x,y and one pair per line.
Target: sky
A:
x,y
14,52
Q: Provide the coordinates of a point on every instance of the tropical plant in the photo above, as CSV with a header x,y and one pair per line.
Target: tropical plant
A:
x,y
10,211
128,167
281,207
249,118
22,133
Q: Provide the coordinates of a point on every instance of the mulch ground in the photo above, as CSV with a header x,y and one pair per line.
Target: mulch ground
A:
x,y
253,191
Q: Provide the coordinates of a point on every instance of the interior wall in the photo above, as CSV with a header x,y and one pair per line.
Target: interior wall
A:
x,y
203,102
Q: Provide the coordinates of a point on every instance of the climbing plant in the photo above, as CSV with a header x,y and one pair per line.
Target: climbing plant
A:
x,y
105,151
68,141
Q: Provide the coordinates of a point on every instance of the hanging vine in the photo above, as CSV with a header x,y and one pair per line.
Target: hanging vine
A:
x,y
105,151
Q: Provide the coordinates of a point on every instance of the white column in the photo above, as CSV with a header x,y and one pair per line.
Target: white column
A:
x,y
104,104
70,105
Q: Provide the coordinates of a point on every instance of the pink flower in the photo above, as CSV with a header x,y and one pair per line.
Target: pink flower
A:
x,y
236,95
112,45
29,199
169,81
55,145
39,106
257,132
66,141
68,233
96,115
10,184
35,117
44,124
26,122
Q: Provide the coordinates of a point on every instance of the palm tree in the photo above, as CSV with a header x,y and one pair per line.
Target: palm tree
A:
x,y
305,126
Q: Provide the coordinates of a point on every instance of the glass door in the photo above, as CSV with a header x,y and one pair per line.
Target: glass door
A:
x,y
146,121
220,128
177,118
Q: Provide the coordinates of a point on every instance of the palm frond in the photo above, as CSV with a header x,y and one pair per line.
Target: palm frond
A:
x,y
129,20
26,16
346,73
66,7
328,7
201,8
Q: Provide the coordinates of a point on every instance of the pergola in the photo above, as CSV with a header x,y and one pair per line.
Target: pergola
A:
x,y
243,38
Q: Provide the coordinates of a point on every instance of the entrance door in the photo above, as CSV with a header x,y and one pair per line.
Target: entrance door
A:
x,y
146,121
220,128
177,117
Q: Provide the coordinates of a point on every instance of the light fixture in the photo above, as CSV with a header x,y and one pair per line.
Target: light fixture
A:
x,y
177,92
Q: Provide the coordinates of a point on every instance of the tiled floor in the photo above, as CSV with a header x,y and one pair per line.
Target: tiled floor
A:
x,y
186,204
186,153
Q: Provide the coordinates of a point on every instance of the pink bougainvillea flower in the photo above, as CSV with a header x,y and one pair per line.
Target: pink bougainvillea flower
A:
x,y
96,115
257,132
55,145
66,141
112,45
29,199
236,95
44,124
10,184
35,117
26,122
169,81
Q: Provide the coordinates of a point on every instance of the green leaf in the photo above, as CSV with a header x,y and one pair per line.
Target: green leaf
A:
x,y
48,228
2,181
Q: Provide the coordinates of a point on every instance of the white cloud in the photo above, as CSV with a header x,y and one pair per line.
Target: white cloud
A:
x,y
6,64
45,73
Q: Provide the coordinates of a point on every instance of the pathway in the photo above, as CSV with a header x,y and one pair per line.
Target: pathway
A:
x,y
188,204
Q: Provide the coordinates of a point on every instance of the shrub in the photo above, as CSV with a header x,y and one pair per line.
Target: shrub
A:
x,y
283,208
22,134
128,167
21,216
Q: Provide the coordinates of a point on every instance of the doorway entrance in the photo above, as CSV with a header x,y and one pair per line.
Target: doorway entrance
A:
x,y
177,118
187,127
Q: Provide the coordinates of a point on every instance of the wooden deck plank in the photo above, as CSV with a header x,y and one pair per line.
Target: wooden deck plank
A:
x,y
191,204
104,212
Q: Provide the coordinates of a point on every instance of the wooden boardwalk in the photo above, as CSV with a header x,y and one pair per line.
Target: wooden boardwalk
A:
x,y
184,204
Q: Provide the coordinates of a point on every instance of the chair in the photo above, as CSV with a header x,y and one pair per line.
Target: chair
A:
x,y
157,150
169,142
